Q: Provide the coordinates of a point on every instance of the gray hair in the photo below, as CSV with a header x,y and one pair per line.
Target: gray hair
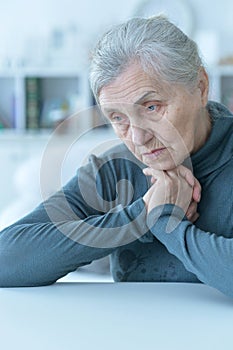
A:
x,y
156,43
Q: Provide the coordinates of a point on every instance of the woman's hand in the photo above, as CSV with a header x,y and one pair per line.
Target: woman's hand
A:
x,y
177,186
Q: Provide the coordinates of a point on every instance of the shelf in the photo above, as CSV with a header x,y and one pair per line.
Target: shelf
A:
x,y
221,85
63,92
41,72
33,98
7,101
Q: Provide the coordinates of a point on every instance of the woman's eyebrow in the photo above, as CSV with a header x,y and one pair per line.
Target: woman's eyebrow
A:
x,y
147,94
141,99
109,110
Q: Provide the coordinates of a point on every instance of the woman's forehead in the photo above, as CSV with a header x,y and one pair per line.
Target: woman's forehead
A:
x,y
132,85
113,98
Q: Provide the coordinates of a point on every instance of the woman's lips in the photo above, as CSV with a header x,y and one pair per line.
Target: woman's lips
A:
x,y
154,153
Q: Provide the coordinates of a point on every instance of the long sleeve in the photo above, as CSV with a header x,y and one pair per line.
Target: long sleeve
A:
x,y
205,248
83,222
207,255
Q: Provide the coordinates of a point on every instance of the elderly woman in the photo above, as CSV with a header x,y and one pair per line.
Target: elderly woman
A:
x,y
160,204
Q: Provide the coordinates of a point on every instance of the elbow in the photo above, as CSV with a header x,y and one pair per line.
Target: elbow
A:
x,y
7,273
226,284
10,273
222,281
22,265
17,273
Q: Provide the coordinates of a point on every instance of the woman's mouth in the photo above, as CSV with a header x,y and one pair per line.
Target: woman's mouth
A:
x,y
155,153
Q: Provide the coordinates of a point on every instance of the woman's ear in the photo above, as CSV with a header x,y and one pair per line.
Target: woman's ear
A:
x,y
203,85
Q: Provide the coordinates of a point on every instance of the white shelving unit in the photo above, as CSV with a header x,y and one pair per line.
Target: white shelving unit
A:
x,y
62,83
221,85
22,149
54,84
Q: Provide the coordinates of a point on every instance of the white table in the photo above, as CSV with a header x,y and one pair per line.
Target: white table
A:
x,y
67,316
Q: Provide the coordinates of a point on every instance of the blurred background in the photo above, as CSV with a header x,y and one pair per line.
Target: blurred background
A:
x,y
44,54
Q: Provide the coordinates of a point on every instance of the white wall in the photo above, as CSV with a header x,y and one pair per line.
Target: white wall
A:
x,y
215,17
24,22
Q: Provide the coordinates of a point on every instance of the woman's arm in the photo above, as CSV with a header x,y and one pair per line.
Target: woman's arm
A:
x,y
81,223
206,254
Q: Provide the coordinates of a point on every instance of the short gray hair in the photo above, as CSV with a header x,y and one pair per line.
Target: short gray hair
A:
x,y
155,42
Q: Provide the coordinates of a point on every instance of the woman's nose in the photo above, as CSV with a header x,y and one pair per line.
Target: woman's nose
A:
x,y
139,135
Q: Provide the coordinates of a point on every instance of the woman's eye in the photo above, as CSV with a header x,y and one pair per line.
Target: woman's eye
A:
x,y
117,118
152,108
119,122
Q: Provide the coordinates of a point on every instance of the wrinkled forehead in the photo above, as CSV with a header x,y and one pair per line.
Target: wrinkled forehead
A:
x,y
132,86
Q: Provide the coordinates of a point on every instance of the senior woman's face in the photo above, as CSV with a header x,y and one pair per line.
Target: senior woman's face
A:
x,y
161,124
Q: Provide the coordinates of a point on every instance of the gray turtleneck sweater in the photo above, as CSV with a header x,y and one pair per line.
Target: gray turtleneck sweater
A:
x,y
101,212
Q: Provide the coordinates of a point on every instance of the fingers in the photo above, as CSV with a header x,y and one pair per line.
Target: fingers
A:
x,y
153,180
196,191
152,172
191,212
186,174
193,218
155,174
191,209
192,181
180,170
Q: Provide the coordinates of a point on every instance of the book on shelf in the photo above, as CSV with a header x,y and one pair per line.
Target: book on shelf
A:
x,y
33,102
4,122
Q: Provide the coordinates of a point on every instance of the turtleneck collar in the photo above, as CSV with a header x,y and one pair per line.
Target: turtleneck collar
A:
x,y
218,148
